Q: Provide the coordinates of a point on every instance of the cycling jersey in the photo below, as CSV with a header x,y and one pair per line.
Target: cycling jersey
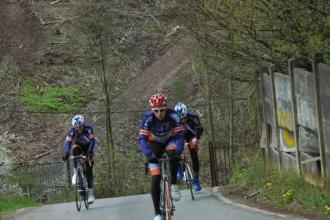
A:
x,y
84,139
161,131
192,127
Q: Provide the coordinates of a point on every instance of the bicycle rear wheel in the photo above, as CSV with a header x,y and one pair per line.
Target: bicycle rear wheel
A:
x,y
85,192
189,181
78,191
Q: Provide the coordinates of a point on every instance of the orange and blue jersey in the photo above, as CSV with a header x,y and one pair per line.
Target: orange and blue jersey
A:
x,y
161,131
85,139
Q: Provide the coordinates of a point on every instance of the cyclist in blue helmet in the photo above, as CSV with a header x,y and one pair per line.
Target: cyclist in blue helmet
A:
x,y
83,138
193,132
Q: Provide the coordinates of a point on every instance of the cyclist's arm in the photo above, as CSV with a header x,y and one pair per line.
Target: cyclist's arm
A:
x,y
68,141
179,133
91,137
199,128
144,135
179,141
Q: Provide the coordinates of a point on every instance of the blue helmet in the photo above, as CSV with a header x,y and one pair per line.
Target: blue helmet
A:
x,y
78,120
181,109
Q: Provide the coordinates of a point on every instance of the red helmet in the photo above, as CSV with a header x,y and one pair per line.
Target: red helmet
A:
x,y
157,101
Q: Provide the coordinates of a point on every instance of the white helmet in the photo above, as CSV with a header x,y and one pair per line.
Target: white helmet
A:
x,y
181,109
78,120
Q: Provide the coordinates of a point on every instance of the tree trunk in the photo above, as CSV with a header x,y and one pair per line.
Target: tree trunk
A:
x,y
110,142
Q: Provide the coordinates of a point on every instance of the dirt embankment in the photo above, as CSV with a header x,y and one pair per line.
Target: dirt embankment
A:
x,y
20,33
20,36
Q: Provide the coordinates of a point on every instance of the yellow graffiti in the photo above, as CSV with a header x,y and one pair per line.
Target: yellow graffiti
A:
x,y
288,138
284,119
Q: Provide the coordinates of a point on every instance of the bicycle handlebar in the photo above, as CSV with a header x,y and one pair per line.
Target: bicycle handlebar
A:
x,y
79,156
164,159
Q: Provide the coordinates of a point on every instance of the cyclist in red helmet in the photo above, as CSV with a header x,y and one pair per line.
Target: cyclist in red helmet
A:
x,y
161,129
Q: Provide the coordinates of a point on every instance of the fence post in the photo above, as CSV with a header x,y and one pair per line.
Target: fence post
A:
x,y
294,113
211,164
272,69
213,167
68,172
265,123
317,59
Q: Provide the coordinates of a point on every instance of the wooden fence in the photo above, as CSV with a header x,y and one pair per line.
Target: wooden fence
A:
x,y
295,116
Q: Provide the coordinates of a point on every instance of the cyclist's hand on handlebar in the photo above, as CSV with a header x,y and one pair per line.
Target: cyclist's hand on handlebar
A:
x,y
65,157
89,156
153,160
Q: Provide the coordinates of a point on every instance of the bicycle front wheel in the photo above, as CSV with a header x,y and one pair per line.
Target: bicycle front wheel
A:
x,y
78,191
168,198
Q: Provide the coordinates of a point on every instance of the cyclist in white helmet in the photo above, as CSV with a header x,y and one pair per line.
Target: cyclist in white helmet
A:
x,y
83,137
193,132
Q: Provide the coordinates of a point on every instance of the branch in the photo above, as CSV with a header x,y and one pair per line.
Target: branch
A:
x,y
55,2
43,154
253,194
54,22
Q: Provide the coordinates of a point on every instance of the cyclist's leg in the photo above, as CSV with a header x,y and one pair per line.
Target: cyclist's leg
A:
x,y
174,163
76,150
89,175
155,190
193,149
154,168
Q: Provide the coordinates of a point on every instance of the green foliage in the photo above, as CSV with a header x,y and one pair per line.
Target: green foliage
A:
x,y
261,31
8,204
24,181
65,195
250,173
282,189
54,99
149,28
129,177
179,88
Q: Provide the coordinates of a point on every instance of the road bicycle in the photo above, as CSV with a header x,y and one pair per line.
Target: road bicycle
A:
x,y
81,188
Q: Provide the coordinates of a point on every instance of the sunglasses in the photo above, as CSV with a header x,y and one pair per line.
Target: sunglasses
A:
x,y
158,110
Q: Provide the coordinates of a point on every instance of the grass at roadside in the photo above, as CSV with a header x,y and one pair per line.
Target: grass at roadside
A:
x,y
283,190
10,204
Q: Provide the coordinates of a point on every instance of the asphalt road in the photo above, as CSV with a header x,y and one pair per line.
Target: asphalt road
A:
x,y
139,207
